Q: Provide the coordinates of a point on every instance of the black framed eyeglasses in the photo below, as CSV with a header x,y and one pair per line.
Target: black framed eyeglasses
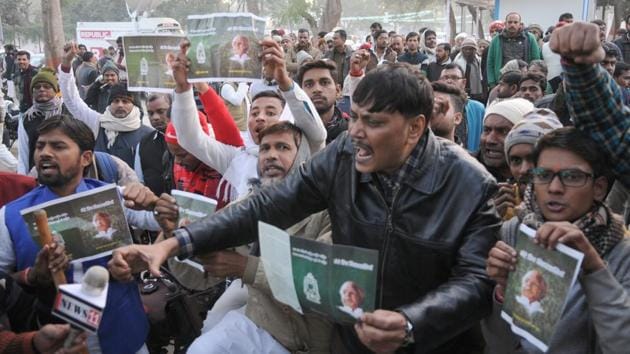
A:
x,y
568,177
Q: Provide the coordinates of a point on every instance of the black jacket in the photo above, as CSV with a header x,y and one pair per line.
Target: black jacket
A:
x,y
432,243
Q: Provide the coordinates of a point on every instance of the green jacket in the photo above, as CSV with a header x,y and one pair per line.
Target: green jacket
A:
x,y
495,57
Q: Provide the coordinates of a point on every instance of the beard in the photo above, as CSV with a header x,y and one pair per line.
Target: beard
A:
x,y
323,106
58,179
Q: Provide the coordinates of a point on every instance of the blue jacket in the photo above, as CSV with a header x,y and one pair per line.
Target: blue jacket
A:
x,y
474,118
124,326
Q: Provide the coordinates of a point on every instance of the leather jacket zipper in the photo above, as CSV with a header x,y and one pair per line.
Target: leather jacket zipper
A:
x,y
388,230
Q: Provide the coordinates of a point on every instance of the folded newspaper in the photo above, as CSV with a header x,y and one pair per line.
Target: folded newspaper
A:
x,y
193,207
538,288
333,280
89,224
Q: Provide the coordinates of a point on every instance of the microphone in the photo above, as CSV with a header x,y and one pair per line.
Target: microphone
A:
x,y
45,236
82,305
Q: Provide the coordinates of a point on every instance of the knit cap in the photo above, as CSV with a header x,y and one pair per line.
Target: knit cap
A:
x,y
469,42
120,91
46,75
513,109
109,66
534,125
302,56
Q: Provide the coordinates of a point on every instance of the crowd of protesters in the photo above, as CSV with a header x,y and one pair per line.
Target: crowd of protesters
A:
x,y
431,153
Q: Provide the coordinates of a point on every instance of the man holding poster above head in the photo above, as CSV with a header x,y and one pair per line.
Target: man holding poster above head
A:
x,y
238,164
391,186
225,47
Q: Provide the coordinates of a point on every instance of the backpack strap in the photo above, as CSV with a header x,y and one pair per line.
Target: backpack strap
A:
x,y
107,168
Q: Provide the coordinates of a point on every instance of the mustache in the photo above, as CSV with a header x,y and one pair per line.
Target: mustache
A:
x,y
358,144
269,166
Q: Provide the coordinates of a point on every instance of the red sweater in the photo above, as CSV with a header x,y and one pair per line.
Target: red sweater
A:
x,y
205,180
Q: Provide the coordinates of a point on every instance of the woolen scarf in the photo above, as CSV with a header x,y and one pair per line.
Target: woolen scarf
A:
x,y
113,125
45,109
600,225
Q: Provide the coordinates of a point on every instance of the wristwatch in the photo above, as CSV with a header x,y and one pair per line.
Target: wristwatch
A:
x,y
408,334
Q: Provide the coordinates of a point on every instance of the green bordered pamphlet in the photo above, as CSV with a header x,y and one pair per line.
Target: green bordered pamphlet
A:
x,y
224,47
89,224
538,288
333,280
192,207
149,60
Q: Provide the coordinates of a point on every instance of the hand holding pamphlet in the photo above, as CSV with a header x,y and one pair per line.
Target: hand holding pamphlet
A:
x,y
89,224
192,207
538,288
334,280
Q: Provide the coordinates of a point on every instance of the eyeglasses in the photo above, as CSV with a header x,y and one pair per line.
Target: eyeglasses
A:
x,y
568,177
450,77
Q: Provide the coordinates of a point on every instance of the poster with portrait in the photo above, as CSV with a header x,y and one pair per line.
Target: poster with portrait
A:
x,y
192,207
149,60
538,288
225,47
89,224
336,281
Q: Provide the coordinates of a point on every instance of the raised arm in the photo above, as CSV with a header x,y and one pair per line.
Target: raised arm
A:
x,y
185,118
225,128
298,103
70,93
594,100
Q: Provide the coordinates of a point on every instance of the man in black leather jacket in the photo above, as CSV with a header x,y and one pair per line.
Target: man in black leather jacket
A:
x,y
388,184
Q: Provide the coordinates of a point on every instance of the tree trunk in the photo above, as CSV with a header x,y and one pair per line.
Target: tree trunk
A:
x,y
253,6
331,15
453,25
54,39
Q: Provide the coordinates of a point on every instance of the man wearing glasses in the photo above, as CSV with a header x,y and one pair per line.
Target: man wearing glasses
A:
x,y
470,129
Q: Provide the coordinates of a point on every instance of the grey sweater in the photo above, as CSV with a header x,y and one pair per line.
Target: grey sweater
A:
x,y
596,318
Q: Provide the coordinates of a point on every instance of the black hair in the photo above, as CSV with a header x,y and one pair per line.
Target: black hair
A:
x,y
378,33
74,129
154,96
429,32
23,52
511,78
322,34
391,33
269,93
395,88
446,46
368,37
538,79
411,35
611,50
82,46
539,63
456,95
620,68
575,141
376,25
565,16
342,34
520,18
599,22
452,66
317,64
282,127
303,30
87,56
